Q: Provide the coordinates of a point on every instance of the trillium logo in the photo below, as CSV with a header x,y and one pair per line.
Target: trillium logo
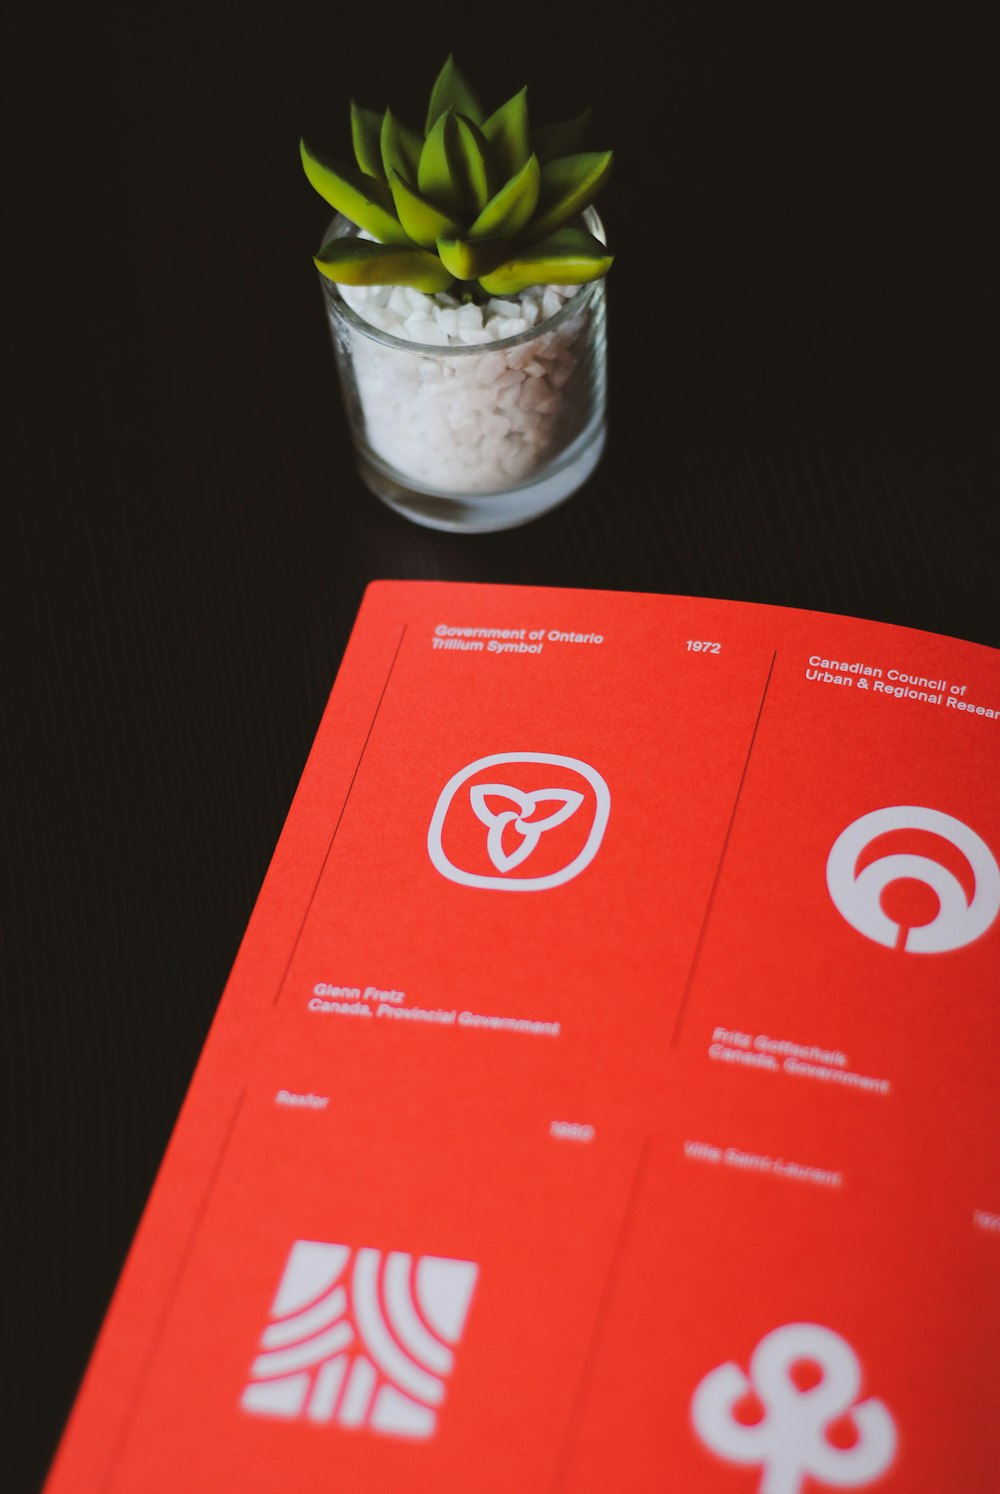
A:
x,y
791,1442
567,802
536,807
914,878
362,1338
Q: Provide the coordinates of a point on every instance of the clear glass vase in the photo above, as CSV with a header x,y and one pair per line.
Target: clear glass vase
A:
x,y
475,438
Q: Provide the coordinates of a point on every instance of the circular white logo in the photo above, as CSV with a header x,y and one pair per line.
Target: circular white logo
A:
x,y
962,915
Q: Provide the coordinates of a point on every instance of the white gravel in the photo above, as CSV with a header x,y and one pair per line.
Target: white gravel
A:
x,y
443,321
460,420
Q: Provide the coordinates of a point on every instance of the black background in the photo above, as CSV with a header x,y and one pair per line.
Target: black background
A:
x,y
799,332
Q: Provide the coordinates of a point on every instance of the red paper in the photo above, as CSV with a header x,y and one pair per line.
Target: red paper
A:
x,y
603,1096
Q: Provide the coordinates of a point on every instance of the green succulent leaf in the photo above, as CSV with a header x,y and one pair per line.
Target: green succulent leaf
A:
x,y
471,163
570,257
476,198
452,91
470,259
565,139
352,261
568,186
510,210
367,202
424,223
434,174
400,147
508,135
366,130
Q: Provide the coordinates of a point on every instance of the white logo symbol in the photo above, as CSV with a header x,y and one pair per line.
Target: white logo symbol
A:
x,y
790,1442
366,1341
521,817
857,894
568,800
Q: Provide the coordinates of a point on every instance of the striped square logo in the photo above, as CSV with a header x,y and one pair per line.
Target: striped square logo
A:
x,y
362,1337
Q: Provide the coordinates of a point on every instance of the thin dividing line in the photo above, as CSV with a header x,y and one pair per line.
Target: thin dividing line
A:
x,y
718,870
168,1301
333,837
562,1467
630,1205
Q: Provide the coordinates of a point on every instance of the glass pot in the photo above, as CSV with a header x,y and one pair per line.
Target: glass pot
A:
x,y
482,437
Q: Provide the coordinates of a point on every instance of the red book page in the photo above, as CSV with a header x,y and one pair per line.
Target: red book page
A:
x,y
602,1094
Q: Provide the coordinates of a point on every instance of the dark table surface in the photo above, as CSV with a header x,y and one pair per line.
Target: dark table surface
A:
x,y
799,416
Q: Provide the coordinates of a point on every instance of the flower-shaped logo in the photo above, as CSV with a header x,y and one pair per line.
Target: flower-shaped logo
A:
x,y
790,1442
537,794
523,817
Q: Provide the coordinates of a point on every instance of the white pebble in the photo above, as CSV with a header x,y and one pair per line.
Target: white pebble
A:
x,y
508,397
512,326
513,457
534,393
379,317
490,367
433,374
502,308
423,329
472,402
467,433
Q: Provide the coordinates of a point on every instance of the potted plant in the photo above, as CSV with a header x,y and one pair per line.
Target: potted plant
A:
x,y
463,279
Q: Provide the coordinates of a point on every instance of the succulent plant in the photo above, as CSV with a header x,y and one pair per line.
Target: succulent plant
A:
x,y
482,200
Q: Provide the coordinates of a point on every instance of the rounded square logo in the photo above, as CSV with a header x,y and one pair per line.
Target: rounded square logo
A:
x,y
519,821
